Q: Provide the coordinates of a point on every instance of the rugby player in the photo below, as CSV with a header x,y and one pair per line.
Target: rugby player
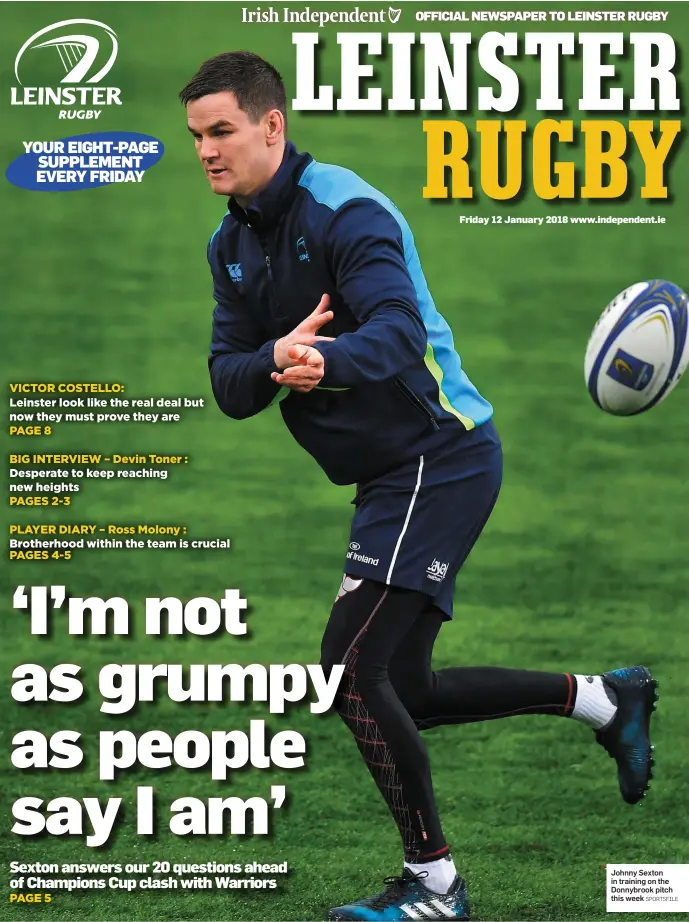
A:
x,y
319,291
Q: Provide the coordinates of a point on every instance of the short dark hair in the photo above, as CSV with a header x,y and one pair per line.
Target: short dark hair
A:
x,y
257,84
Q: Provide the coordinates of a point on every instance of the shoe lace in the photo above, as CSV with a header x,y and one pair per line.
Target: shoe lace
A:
x,y
395,887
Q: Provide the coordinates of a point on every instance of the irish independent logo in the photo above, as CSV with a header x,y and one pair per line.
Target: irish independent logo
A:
x,y
63,65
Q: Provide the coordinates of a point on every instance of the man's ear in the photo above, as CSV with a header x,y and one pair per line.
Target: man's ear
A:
x,y
274,126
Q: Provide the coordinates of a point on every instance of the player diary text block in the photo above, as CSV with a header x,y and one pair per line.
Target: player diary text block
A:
x,y
647,888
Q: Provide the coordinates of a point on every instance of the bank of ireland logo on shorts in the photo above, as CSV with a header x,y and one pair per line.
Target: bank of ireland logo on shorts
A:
x,y
62,65
353,554
437,571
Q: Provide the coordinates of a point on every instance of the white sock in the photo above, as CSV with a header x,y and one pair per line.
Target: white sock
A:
x,y
441,873
595,703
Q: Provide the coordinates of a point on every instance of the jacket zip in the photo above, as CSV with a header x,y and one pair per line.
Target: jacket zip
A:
x,y
417,401
266,259
271,279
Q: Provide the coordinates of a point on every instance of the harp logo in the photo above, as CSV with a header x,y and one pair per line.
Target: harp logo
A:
x,y
75,49
75,55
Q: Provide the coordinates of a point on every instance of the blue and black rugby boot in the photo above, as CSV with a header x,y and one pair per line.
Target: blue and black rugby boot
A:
x,y
626,738
406,897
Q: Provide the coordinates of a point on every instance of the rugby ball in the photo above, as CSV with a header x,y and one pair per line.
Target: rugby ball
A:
x,y
639,348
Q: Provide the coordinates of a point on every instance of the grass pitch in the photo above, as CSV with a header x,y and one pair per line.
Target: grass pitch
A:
x,y
582,566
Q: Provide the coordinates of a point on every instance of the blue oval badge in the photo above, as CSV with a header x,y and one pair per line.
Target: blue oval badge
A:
x,y
85,161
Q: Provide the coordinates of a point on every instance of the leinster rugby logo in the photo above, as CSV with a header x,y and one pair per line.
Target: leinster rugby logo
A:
x,y
77,51
74,55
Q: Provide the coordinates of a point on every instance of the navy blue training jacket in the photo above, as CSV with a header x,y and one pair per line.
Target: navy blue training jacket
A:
x,y
393,386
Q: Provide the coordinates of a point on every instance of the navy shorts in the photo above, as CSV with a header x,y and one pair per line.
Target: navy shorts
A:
x,y
415,526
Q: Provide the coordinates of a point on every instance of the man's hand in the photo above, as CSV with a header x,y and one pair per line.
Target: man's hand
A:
x,y
307,367
304,334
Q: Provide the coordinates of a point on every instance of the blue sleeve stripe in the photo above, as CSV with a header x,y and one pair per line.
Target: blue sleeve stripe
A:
x,y
332,186
215,233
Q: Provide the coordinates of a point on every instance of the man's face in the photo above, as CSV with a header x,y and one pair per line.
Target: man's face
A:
x,y
235,152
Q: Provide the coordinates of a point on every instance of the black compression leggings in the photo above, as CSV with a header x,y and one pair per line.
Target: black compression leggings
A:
x,y
384,636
